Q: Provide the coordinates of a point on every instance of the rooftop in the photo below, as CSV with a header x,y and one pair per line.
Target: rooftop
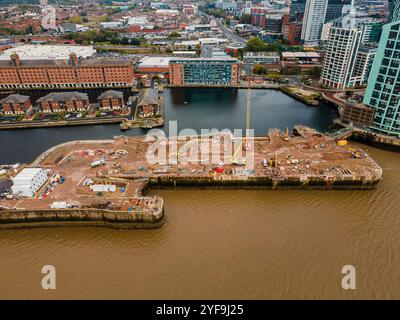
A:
x,y
296,55
63,96
148,96
26,174
216,59
40,62
14,98
109,94
151,62
261,54
37,51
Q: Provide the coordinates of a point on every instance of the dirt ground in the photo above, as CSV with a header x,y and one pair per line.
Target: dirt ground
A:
x,y
277,155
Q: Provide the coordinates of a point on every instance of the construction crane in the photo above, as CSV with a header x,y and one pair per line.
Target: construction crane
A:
x,y
247,146
244,143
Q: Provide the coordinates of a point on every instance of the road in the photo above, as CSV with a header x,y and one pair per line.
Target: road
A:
x,y
228,33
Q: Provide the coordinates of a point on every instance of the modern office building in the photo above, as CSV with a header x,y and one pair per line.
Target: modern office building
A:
x,y
362,65
371,31
273,23
314,18
297,8
334,9
204,71
340,55
394,10
346,62
383,90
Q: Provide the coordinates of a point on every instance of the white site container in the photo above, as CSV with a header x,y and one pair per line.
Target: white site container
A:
x,y
104,187
59,205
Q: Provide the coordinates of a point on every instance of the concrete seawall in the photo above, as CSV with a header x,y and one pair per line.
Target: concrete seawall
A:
x,y
43,155
14,219
222,182
61,123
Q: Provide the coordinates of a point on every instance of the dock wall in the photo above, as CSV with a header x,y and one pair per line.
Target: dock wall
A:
x,y
60,123
227,182
14,219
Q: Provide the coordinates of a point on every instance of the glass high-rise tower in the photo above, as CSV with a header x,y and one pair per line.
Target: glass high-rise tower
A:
x,y
314,18
383,90
394,10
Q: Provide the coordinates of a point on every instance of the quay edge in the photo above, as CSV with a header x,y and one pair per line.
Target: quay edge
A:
x,y
16,219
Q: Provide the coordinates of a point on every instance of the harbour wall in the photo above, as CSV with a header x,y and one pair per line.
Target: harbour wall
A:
x,y
302,182
68,123
15,219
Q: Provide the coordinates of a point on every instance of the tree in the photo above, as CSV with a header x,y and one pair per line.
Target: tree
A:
x,y
75,20
256,45
274,76
29,30
245,18
174,34
260,69
135,42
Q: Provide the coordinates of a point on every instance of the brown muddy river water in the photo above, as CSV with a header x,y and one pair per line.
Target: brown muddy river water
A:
x,y
224,244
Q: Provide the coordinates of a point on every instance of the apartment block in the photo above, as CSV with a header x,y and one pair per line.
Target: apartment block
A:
x,y
221,71
383,90
111,99
15,104
64,101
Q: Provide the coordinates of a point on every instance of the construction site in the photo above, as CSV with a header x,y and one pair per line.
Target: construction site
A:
x,y
104,181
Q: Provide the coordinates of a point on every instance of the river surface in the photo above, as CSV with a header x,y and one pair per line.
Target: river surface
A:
x,y
224,244
192,108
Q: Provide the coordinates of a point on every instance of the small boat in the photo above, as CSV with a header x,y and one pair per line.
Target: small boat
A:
x,y
186,102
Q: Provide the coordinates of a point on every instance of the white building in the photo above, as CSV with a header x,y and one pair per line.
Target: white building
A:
x,y
138,21
146,64
28,181
346,63
326,29
103,188
111,25
53,52
340,54
314,18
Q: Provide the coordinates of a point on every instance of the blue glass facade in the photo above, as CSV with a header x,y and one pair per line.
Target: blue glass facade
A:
x,y
207,71
383,90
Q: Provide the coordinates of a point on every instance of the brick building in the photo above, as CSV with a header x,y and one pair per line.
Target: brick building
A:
x,y
60,73
148,102
64,101
15,104
357,114
111,99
